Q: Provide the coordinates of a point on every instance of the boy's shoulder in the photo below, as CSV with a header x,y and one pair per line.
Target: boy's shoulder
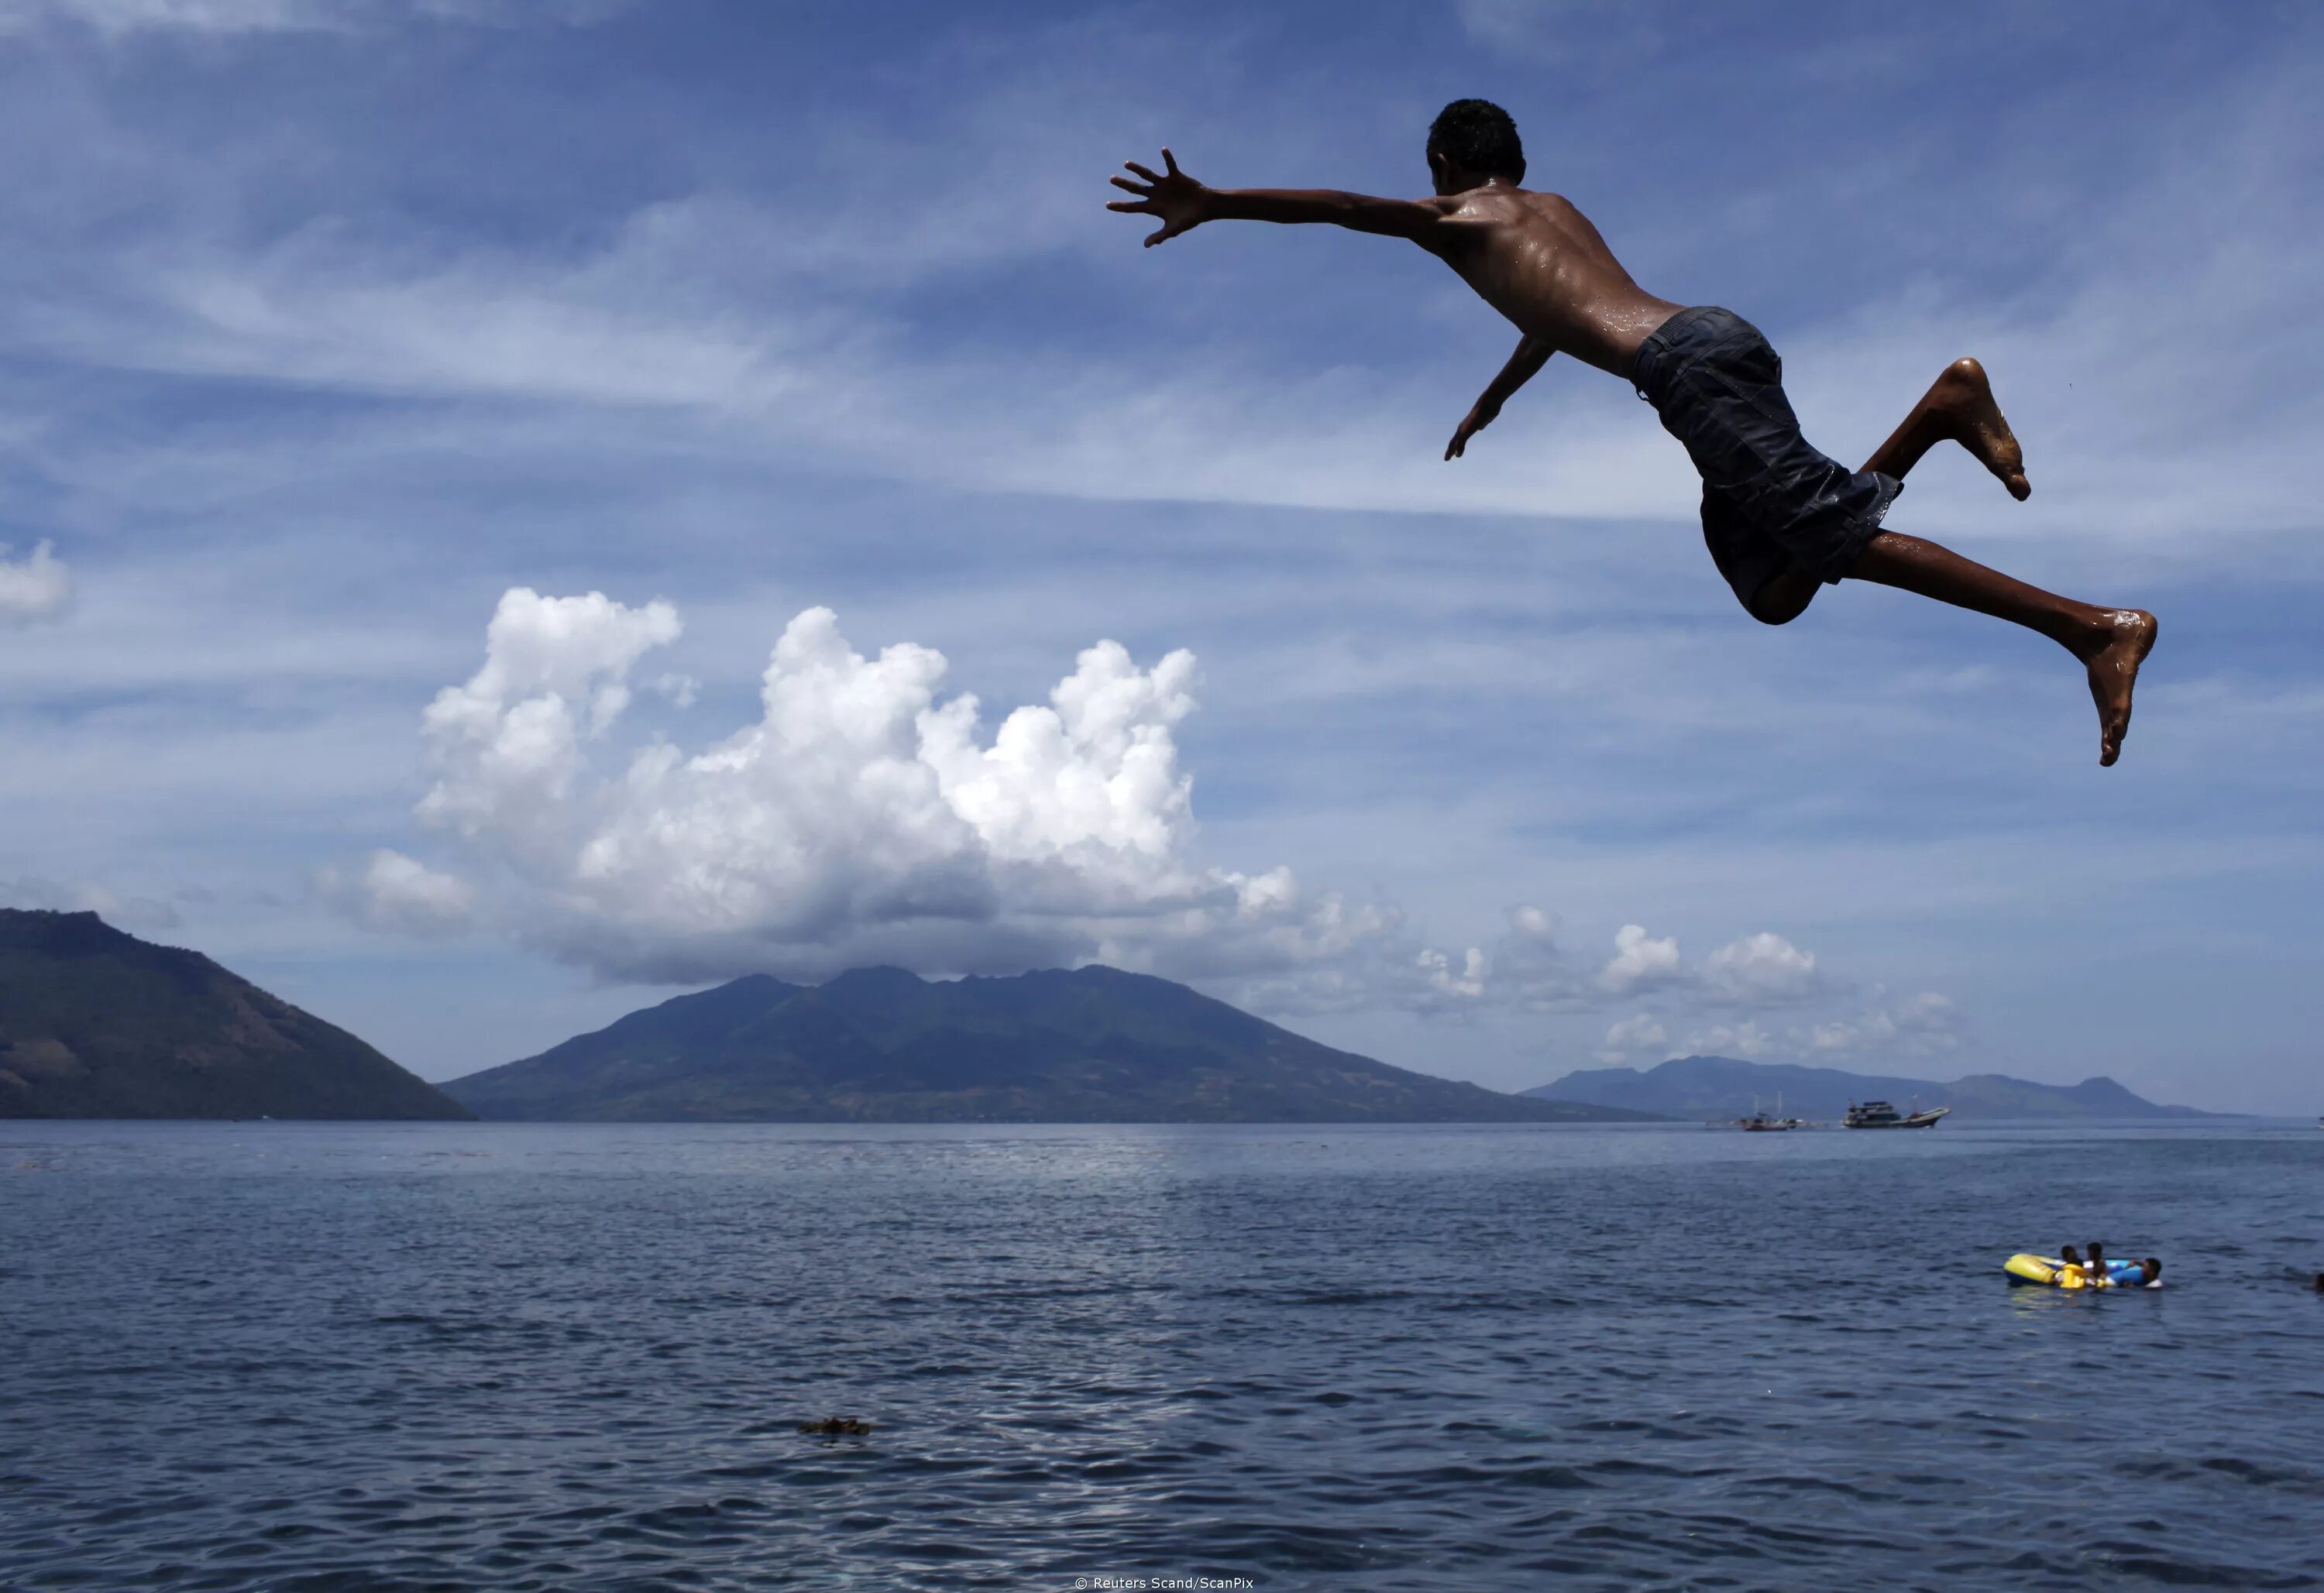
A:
x,y
1500,204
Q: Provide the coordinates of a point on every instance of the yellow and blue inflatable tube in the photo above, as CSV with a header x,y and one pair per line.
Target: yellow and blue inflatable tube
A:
x,y
2026,1268
2023,1269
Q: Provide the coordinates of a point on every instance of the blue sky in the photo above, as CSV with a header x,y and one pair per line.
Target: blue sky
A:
x,y
335,332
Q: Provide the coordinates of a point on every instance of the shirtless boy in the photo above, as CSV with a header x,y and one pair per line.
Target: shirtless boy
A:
x,y
1781,519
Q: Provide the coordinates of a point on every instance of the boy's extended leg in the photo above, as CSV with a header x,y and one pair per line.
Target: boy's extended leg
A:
x,y
2111,643
1958,407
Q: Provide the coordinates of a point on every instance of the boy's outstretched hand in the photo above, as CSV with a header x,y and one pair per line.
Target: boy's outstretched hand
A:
x,y
1177,199
1474,421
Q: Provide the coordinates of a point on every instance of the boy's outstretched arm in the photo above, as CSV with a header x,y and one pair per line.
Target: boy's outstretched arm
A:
x,y
1532,354
1184,205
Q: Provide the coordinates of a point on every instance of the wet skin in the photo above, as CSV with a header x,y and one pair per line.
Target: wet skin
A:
x,y
1538,261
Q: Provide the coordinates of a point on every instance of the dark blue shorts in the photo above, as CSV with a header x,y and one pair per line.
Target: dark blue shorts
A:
x,y
1770,501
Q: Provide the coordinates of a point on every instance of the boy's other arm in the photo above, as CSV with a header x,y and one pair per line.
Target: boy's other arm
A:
x,y
1184,204
1389,218
1532,354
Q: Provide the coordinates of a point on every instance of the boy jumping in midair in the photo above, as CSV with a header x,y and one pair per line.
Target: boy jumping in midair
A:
x,y
1780,518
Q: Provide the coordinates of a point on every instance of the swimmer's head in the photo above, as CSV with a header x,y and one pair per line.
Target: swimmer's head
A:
x,y
1471,142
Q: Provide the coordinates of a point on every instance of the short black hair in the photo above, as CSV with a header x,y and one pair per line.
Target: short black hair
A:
x,y
1477,134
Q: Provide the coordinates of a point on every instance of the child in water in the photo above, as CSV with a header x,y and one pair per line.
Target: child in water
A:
x,y
2074,1273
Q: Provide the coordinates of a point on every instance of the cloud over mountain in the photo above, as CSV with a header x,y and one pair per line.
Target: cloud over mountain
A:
x,y
862,817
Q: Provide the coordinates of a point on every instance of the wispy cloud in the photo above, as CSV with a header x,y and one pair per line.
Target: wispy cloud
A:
x,y
139,912
114,18
1920,1027
810,351
38,587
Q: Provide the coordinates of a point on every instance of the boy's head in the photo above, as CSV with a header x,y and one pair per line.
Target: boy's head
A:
x,y
2070,1256
2096,1250
1471,141
2153,1268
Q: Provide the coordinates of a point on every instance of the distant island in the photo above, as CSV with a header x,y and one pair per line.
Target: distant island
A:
x,y
95,1022
880,1045
1724,1087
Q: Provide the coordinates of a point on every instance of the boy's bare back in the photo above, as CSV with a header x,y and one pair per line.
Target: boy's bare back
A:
x,y
1537,260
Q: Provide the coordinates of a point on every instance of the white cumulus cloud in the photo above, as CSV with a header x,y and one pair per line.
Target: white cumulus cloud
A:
x,y
863,816
38,587
1762,970
1640,961
508,746
402,894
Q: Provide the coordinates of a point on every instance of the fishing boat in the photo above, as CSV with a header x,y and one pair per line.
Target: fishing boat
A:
x,y
1761,1122
1879,1114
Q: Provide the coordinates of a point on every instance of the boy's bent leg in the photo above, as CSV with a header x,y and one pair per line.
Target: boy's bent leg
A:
x,y
1783,597
1960,408
2111,643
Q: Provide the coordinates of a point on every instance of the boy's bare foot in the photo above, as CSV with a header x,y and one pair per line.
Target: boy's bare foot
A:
x,y
1961,403
2117,646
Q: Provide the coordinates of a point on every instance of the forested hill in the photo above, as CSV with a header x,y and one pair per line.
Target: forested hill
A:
x,y
880,1045
95,1022
1725,1087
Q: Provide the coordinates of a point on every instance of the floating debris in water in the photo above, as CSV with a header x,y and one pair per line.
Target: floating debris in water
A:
x,y
836,1427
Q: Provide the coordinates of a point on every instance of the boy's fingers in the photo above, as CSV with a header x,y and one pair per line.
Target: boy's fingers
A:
x,y
1170,161
1127,185
1129,206
1143,172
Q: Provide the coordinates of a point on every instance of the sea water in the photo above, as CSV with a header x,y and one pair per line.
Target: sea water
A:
x,y
508,1356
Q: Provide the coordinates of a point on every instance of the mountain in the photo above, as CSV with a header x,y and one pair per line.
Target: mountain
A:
x,y
880,1044
1722,1087
98,1023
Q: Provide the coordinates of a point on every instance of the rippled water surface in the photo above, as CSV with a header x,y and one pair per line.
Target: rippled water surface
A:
x,y
309,1357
